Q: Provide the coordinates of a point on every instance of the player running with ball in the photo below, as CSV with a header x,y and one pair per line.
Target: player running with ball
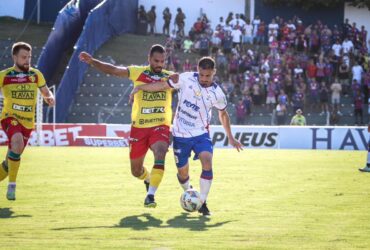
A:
x,y
198,94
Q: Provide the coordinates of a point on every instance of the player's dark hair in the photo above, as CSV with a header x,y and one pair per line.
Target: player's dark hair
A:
x,y
157,48
20,45
206,63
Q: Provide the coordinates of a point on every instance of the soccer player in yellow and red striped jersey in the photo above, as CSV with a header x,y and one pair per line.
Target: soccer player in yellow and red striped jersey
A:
x,y
19,85
151,116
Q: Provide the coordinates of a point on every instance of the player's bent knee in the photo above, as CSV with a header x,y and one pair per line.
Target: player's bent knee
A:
x,y
160,152
17,143
136,172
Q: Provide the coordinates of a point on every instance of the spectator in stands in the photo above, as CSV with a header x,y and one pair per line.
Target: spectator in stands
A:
x,y
203,45
236,35
345,28
222,65
227,43
273,28
167,16
271,95
324,98
240,112
358,105
281,114
237,21
343,77
298,100
221,24
247,34
337,48
198,26
187,45
298,119
260,38
151,17
336,90
180,21
229,18
314,95
347,46
256,23
142,21
357,72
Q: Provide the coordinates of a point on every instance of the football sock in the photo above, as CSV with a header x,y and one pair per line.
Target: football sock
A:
x,y
145,175
3,172
185,184
156,176
205,183
368,157
13,162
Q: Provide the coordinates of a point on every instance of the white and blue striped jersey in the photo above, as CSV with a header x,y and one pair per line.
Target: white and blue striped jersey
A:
x,y
194,109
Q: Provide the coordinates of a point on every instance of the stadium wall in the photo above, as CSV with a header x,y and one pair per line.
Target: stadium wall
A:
x,y
108,19
193,9
274,137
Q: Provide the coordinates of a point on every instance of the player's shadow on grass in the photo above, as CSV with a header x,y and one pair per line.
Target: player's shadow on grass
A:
x,y
7,213
193,223
140,222
143,221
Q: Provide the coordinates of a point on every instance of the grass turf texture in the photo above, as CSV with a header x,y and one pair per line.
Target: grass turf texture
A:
x,y
84,198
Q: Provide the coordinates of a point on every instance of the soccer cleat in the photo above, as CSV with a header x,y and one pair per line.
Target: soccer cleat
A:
x,y
149,201
10,195
365,169
204,210
146,185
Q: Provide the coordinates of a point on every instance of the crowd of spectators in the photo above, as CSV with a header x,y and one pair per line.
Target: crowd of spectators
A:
x,y
281,66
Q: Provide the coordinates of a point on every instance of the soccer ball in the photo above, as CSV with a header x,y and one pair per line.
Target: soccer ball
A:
x,y
190,200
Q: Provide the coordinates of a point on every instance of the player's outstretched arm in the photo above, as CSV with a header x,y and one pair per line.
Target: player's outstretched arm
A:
x,y
153,87
102,66
225,121
48,96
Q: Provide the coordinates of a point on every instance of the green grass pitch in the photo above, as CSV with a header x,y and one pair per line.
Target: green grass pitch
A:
x,y
86,198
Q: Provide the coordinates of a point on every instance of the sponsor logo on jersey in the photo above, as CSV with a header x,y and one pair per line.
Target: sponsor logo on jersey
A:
x,y
154,110
23,95
191,105
154,96
22,108
32,78
14,122
153,120
186,113
186,122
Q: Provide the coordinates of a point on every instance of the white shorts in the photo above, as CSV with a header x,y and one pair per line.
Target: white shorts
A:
x,y
271,100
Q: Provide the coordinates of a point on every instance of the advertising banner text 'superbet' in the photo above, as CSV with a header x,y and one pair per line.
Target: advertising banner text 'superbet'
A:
x,y
278,137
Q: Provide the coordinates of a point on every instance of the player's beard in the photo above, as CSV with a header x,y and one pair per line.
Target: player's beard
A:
x,y
157,69
24,67
204,85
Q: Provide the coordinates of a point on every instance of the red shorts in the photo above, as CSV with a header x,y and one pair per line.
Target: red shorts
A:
x,y
142,138
11,126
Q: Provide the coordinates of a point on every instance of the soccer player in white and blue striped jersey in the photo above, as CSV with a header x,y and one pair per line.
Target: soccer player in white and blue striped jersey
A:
x,y
198,95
